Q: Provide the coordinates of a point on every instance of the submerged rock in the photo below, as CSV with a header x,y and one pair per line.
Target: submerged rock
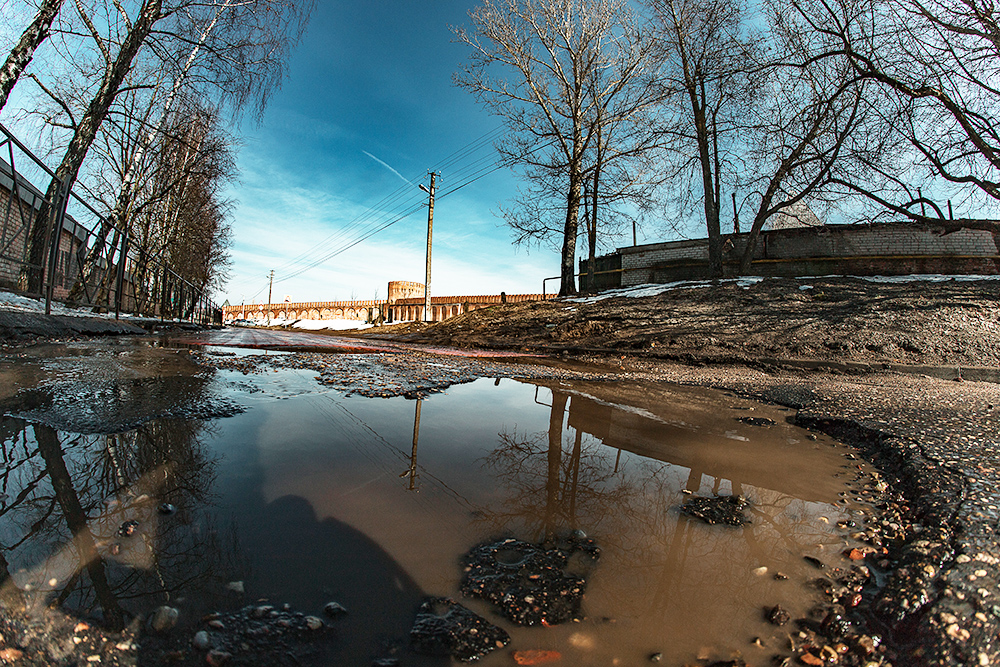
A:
x,y
777,616
163,618
128,528
757,421
531,585
334,609
444,627
729,510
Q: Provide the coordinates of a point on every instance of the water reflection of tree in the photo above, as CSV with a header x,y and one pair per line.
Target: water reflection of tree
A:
x,y
666,563
67,497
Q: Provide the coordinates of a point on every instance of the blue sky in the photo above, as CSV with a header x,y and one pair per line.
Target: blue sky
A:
x,y
367,108
369,104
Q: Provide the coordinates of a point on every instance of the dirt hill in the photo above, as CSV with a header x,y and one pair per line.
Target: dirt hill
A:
x,y
942,322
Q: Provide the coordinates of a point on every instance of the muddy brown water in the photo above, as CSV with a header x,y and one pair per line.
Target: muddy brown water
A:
x,y
308,496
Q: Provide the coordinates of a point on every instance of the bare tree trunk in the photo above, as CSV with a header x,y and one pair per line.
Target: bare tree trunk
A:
x,y
567,273
708,183
23,52
592,229
87,129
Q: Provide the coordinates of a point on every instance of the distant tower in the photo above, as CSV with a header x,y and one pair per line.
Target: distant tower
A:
x,y
402,289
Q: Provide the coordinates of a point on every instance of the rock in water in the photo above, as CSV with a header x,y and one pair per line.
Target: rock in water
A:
x,y
729,510
444,627
334,609
777,616
201,640
163,618
128,528
529,583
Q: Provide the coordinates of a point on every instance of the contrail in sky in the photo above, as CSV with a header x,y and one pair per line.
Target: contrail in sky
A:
x,y
388,167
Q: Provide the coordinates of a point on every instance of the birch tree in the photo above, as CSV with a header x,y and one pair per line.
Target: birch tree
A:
x,y
233,49
116,67
22,53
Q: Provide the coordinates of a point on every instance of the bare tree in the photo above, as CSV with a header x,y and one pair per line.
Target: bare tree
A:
x,y
707,54
115,69
563,62
812,119
623,177
936,65
233,49
24,50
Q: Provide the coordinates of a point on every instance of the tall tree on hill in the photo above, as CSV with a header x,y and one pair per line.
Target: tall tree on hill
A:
x,y
552,69
707,71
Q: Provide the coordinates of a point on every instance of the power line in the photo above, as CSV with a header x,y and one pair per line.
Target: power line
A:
x,y
377,212
471,172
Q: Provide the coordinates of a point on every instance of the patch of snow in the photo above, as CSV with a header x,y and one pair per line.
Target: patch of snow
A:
x,y
312,325
911,278
640,291
333,325
11,301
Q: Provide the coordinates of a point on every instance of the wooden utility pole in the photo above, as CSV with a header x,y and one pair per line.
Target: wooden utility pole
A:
x,y
430,232
270,283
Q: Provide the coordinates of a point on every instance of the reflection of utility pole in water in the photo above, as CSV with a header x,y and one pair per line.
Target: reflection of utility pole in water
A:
x,y
412,472
50,449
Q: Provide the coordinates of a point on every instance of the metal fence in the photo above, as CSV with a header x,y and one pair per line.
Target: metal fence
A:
x,y
61,248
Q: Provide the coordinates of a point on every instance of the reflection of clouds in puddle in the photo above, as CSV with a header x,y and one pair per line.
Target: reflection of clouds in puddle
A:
x,y
733,435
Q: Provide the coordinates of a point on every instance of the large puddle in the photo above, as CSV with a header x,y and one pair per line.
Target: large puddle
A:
x,y
309,496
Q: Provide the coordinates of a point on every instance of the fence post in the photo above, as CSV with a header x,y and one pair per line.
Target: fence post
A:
x,y
120,278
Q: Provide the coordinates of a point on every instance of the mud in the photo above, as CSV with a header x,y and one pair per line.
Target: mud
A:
x,y
531,584
444,627
728,510
850,323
